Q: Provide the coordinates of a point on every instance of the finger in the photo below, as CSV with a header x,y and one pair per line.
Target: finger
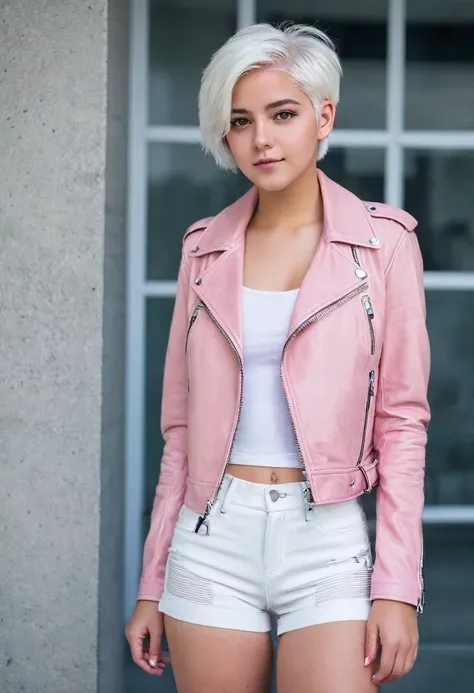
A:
x,y
164,658
138,656
415,653
386,663
154,649
398,667
410,658
371,643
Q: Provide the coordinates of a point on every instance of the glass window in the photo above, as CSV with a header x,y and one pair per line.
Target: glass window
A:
x,y
440,65
359,170
449,560
159,312
183,35
438,192
360,33
450,472
184,185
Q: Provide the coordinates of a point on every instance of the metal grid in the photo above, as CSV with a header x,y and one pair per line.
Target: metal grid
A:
x,y
393,140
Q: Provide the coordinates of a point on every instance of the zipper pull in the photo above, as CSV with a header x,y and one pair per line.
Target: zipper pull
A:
x,y
194,315
199,524
372,383
368,307
191,323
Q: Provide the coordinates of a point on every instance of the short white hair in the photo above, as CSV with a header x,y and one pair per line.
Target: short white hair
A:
x,y
307,54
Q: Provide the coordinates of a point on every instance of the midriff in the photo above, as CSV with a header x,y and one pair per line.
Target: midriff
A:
x,y
265,475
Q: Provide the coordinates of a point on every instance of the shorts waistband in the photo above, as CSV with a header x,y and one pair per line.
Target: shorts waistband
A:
x,y
265,497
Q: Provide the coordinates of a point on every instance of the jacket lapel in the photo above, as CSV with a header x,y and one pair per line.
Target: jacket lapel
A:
x,y
220,284
333,273
330,278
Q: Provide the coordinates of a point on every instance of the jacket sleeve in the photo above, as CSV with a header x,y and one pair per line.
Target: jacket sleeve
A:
x,y
171,484
401,419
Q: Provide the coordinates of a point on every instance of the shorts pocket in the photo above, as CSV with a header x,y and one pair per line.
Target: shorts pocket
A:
x,y
340,517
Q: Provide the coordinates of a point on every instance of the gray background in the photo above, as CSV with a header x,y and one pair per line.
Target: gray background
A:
x,y
62,181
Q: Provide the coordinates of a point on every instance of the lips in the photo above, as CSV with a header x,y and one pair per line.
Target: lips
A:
x,y
268,162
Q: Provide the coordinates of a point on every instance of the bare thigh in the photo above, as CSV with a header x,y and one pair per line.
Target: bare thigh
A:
x,y
327,658
218,659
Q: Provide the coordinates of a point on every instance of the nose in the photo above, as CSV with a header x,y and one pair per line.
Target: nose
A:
x,y
262,136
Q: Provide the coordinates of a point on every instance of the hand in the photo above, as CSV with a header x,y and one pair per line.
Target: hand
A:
x,y
146,623
394,626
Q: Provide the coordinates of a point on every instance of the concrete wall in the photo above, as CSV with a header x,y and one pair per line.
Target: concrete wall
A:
x,y
62,182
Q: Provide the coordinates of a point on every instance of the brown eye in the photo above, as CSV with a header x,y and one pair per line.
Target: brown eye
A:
x,y
285,115
239,122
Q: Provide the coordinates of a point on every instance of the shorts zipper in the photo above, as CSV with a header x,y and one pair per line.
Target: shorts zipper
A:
x,y
370,318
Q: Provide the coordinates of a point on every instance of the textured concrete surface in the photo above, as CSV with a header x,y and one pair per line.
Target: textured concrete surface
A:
x,y
61,329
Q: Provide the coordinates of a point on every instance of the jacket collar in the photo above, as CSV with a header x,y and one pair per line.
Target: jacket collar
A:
x,y
346,219
333,274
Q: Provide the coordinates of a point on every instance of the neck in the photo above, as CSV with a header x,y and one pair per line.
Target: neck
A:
x,y
300,204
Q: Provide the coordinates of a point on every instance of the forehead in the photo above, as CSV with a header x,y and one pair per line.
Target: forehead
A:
x,y
264,85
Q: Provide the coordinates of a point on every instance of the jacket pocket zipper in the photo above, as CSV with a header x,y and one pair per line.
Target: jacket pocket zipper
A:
x,y
370,318
370,394
191,323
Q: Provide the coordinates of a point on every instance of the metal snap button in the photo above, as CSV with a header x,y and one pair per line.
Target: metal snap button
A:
x,y
195,249
361,273
374,241
198,281
371,208
274,495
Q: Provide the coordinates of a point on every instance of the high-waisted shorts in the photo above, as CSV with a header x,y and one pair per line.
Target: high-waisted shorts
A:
x,y
267,554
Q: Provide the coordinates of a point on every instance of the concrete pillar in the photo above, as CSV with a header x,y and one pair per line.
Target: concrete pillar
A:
x,y
63,79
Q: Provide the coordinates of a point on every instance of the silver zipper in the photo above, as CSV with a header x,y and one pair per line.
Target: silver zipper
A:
x,y
202,520
370,394
313,318
370,317
191,323
421,600
321,313
355,254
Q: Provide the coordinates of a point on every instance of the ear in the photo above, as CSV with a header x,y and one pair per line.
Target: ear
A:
x,y
326,119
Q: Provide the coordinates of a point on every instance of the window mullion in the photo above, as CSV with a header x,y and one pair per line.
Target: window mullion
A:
x,y
246,13
395,101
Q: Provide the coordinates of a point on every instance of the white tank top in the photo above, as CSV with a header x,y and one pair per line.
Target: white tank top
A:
x,y
265,436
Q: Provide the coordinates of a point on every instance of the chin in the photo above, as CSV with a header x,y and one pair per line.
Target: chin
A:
x,y
273,184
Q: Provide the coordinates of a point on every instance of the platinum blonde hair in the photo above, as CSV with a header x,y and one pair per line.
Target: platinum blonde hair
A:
x,y
307,54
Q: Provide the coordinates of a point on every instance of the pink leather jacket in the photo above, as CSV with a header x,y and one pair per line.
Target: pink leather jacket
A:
x,y
354,370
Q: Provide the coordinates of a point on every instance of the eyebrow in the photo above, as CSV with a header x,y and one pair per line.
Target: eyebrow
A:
x,y
270,106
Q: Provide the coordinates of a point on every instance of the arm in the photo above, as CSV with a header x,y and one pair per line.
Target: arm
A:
x,y
401,419
171,486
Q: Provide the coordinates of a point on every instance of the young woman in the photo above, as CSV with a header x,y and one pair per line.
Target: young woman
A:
x,y
295,381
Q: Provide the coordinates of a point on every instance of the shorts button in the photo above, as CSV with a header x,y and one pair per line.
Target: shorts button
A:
x,y
274,495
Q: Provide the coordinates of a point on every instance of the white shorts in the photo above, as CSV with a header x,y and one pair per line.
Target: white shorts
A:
x,y
267,553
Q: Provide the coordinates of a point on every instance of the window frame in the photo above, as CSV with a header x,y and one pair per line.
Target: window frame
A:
x,y
393,139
